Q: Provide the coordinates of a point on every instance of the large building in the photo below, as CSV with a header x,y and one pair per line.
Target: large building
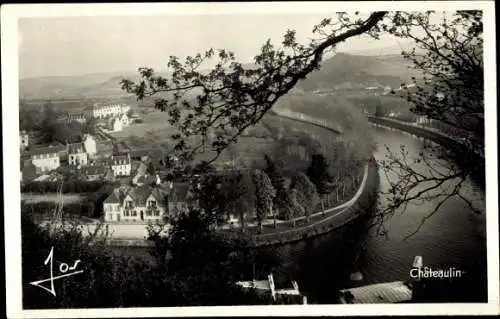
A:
x,y
107,110
137,204
46,158
77,155
121,165
95,172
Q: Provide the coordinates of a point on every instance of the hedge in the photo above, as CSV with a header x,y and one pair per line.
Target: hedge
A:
x,y
73,186
47,209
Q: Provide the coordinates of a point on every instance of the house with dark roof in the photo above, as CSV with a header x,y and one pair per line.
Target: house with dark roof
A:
x,y
137,204
77,155
147,179
140,154
121,164
95,172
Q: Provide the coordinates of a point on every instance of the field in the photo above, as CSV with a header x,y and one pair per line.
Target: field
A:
x,y
155,132
153,121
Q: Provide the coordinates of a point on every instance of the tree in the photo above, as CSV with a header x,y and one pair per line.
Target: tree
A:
x,y
379,111
210,197
29,118
232,97
448,51
48,124
68,132
240,194
264,194
281,200
90,126
319,175
307,194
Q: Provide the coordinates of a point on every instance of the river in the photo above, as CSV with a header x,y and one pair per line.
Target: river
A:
x,y
453,237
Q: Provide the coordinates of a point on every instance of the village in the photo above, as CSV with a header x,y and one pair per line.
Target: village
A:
x,y
137,194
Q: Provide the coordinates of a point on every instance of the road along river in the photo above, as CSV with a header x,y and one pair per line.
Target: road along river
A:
x,y
453,237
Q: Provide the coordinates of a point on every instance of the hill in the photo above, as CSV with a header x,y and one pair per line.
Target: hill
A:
x,y
346,71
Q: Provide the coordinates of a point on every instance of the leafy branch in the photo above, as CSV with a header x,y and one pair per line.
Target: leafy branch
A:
x,y
214,107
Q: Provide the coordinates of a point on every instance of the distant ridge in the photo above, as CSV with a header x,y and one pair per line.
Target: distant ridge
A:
x,y
338,72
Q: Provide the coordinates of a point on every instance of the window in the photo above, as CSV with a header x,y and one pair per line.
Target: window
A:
x,y
157,213
134,213
126,213
152,204
129,204
148,212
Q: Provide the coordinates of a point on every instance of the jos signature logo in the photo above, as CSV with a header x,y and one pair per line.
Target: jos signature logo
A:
x,y
63,269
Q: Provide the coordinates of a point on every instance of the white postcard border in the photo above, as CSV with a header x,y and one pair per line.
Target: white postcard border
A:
x,y
11,169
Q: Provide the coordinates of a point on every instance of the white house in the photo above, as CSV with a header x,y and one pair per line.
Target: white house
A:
x,y
77,155
119,122
46,158
90,144
121,165
23,139
138,204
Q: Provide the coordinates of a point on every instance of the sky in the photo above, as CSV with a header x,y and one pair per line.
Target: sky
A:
x,y
65,46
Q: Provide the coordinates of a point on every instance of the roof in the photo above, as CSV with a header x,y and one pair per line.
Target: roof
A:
x,y
140,152
147,179
95,170
75,148
140,194
47,149
113,198
390,292
120,159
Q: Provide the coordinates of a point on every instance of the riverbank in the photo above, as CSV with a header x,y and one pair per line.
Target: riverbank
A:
x,y
441,139
426,133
